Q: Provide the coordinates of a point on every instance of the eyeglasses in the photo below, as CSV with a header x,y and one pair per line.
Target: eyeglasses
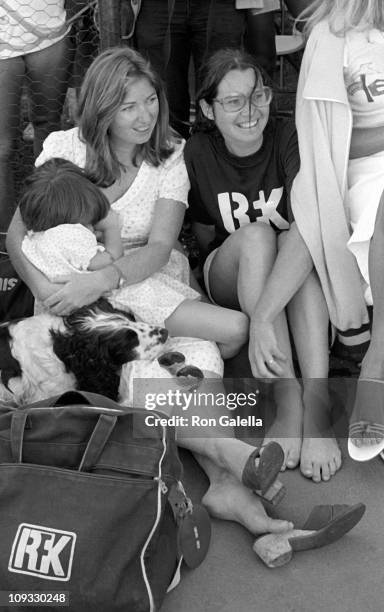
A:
x,y
233,104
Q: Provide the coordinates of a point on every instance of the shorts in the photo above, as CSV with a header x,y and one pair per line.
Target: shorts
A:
x,y
206,268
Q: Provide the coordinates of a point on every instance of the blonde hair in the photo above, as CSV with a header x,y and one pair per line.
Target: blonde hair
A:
x,y
103,91
343,15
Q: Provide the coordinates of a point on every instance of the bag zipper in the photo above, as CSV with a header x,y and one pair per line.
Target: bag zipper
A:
x,y
51,468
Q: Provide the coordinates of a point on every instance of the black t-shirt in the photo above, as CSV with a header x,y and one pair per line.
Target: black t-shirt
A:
x,y
229,191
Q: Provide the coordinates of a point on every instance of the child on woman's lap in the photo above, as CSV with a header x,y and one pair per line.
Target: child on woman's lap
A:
x,y
62,209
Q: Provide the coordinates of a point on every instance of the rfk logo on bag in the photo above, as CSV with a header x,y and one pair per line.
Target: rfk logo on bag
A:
x,y
43,552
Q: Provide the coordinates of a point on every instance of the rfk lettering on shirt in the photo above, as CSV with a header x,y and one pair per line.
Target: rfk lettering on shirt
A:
x,y
235,209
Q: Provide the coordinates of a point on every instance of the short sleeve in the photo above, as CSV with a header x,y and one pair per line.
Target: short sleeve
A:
x,y
65,144
174,182
60,250
79,245
197,211
290,159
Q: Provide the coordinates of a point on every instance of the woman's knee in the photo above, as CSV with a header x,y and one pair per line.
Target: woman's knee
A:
x,y
256,237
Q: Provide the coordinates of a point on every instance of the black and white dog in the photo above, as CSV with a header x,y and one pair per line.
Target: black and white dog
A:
x,y
46,355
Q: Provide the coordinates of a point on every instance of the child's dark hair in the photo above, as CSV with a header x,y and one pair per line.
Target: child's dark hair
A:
x,y
59,192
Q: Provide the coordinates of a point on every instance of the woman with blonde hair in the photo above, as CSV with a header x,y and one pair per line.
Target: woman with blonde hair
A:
x,y
340,120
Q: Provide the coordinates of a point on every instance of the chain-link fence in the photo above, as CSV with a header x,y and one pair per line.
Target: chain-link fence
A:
x,y
46,47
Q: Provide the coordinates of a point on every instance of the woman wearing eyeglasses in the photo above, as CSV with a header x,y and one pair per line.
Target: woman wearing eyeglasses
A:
x,y
241,164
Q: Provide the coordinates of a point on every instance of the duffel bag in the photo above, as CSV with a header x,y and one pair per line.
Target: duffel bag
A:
x,y
91,506
16,300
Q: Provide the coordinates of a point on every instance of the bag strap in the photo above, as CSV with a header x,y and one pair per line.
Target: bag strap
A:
x,y
97,441
18,422
76,397
95,446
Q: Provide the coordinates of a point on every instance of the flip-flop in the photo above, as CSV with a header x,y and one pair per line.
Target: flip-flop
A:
x,y
367,420
262,479
325,525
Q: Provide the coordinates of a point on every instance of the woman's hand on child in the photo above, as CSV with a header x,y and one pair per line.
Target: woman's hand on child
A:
x,y
78,290
265,356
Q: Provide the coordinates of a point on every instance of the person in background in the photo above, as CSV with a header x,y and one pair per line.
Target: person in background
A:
x,y
338,203
171,33
34,49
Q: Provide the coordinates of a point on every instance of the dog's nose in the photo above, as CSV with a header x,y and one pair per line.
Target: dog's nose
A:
x,y
163,333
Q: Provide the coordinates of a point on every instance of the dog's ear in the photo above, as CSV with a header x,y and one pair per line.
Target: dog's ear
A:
x,y
121,346
9,366
104,305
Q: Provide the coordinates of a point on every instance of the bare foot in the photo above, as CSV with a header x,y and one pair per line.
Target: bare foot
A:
x,y
287,427
320,458
229,500
320,453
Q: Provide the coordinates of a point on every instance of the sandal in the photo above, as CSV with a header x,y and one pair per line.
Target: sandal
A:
x,y
262,478
325,525
367,421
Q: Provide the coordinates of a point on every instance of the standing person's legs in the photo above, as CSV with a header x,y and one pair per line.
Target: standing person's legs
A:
x,y
177,70
260,39
237,276
11,78
214,25
151,33
164,39
48,74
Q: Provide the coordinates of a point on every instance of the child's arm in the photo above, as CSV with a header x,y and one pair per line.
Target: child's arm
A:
x,y
100,260
110,227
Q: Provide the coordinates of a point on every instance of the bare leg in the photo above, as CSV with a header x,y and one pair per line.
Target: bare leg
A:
x,y
369,406
308,317
238,274
226,498
223,457
228,328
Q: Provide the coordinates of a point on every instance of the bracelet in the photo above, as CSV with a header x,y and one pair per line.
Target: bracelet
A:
x,y
121,279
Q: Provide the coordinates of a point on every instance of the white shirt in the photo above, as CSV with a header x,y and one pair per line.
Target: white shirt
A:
x,y
27,26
